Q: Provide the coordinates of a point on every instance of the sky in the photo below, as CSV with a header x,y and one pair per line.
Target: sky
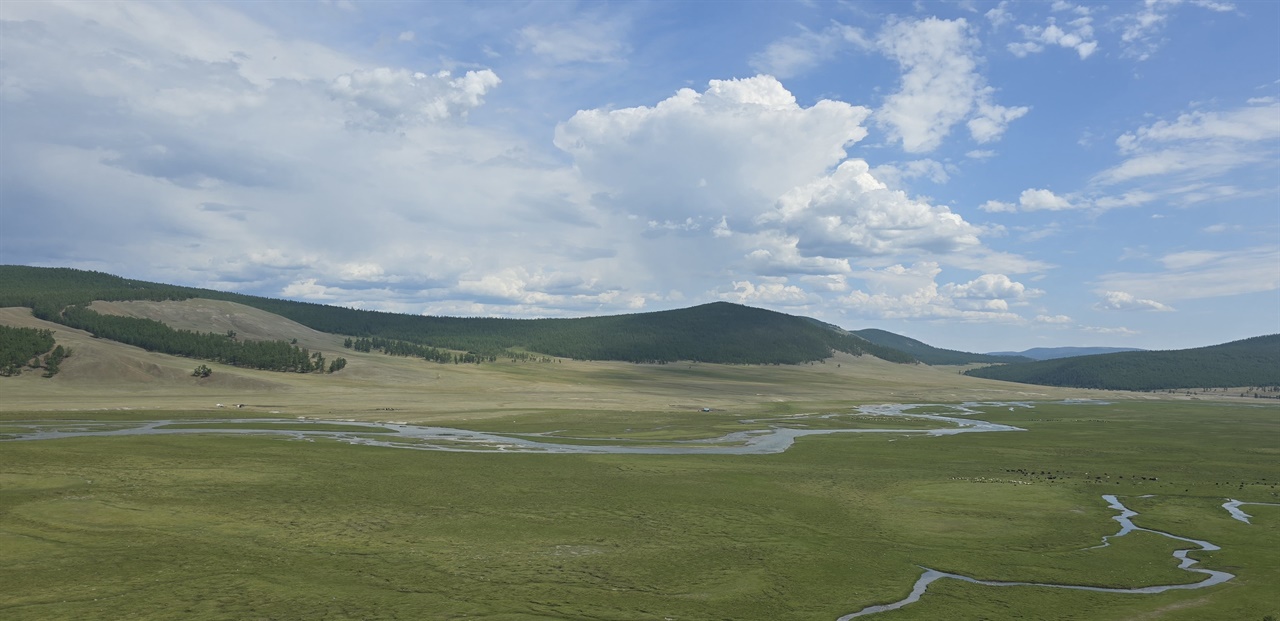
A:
x,y
980,176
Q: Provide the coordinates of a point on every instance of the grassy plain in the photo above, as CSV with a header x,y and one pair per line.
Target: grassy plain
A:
x,y
259,527
222,527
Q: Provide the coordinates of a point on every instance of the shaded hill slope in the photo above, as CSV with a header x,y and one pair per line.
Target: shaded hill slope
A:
x,y
1249,362
717,332
927,353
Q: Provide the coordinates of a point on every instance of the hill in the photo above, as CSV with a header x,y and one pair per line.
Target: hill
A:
x,y
1249,362
1053,353
716,332
928,354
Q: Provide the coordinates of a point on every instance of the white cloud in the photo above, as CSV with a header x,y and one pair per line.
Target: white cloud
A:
x,y
940,85
990,287
1141,35
1032,200
900,292
1256,122
1053,319
774,291
1202,274
994,206
307,289
406,36
1128,199
791,56
999,15
852,214
385,98
1077,35
730,150
1042,200
1198,145
991,120
1121,301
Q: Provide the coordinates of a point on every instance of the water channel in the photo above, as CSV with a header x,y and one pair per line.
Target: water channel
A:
x,y
770,438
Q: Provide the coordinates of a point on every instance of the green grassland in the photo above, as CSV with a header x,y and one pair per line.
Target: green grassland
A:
x,y
257,527
221,526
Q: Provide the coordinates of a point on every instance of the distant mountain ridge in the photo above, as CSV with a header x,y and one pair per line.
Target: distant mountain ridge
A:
x,y
1053,353
716,332
931,355
1248,362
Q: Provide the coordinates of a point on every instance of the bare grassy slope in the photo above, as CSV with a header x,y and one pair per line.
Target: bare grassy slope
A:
x,y
105,374
201,315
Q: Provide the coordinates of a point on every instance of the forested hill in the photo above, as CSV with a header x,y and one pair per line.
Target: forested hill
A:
x,y
929,354
717,332
1250,362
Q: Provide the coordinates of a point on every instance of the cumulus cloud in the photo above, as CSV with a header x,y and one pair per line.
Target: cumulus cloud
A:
x,y
940,85
791,56
990,287
1121,301
851,213
1076,34
1031,200
772,291
730,149
902,292
990,120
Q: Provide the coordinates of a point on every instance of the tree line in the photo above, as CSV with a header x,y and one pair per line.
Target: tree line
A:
x,y
394,347
29,347
155,336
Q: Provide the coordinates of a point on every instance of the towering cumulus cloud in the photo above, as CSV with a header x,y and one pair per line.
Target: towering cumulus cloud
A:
x,y
730,149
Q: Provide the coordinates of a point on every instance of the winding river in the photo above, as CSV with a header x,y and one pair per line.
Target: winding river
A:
x,y
1126,526
772,438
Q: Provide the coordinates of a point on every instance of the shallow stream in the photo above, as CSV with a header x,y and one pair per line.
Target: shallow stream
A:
x,y
766,440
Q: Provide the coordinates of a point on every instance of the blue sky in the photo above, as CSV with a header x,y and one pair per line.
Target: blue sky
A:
x,y
978,175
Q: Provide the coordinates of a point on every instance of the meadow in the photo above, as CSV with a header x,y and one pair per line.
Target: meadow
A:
x,y
261,527
220,526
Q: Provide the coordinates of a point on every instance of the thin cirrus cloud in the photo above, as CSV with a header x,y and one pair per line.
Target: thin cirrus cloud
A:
x,y
1190,275
796,54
